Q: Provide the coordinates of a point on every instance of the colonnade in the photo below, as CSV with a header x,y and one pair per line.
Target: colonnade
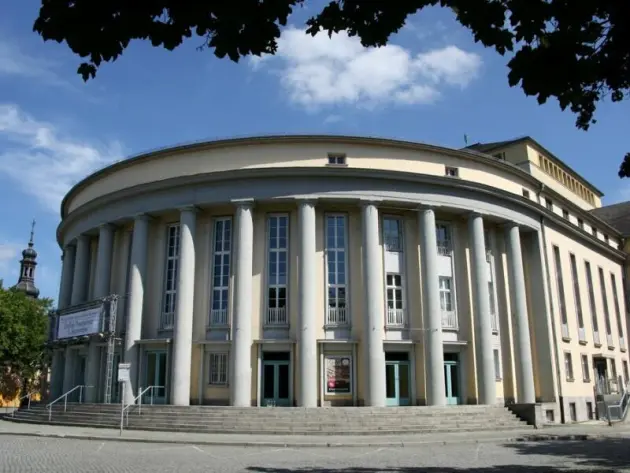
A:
x,y
74,290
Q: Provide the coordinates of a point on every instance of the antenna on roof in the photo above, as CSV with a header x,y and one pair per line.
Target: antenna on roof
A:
x,y
465,139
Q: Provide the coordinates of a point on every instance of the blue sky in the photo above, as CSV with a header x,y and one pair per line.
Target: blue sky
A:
x,y
432,84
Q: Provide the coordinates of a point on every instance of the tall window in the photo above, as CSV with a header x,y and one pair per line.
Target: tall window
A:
x,y
602,285
562,306
278,270
222,245
171,269
392,234
591,302
444,240
127,282
218,368
395,301
626,374
577,298
568,366
447,302
497,364
337,279
586,372
613,281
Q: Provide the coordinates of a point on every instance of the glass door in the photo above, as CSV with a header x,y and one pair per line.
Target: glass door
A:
x,y
275,383
451,382
155,375
79,379
397,384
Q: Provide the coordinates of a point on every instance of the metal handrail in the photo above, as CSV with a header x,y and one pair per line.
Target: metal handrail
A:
x,y
20,399
127,407
622,405
64,396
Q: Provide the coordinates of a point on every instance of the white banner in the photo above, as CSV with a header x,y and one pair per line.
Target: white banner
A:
x,y
78,324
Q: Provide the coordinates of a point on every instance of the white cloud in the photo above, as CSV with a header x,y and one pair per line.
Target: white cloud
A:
x,y
15,62
45,162
322,71
8,254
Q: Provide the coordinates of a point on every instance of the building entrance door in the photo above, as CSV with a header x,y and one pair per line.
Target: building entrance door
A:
x,y
397,379
276,379
155,375
79,379
601,383
451,378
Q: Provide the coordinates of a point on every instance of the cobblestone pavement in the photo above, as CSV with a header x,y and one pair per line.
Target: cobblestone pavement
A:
x,y
29,454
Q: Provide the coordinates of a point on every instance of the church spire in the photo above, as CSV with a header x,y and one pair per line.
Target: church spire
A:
x,y
26,281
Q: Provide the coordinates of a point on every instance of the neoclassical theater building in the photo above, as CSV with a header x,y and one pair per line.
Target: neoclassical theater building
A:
x,y
333,270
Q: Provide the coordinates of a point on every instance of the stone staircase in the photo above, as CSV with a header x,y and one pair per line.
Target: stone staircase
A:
x,y
282,420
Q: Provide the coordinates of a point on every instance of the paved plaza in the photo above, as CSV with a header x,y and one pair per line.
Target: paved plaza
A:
x,y
20,454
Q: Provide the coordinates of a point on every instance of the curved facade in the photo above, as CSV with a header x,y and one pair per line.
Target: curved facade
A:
x,y
324,270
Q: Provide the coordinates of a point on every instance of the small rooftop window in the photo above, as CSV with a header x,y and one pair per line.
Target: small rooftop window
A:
x,y
337,159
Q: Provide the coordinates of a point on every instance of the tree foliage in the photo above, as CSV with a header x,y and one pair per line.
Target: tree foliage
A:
x,y
577,52
23,335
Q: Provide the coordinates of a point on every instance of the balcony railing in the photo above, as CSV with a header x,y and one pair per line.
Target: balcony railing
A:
x,y
449,320
565,331
218,317
445,248
596,340
337,316
167,321
395,317
276,316
392,243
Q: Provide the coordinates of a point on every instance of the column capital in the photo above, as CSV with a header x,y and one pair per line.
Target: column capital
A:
x,y
509,225
142,217
243,203
82,236
188,208
106,226
424,207
474,214
370,201
306,200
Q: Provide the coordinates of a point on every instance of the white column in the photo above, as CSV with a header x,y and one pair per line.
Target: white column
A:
x,y
486,379
522,342
307,338
103,261
101,290
374,307
68,373
184,309
81,275
241,373
67,273
56,374
135,300
434,345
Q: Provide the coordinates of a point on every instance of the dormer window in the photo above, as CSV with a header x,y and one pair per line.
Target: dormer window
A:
x,y
337,159
500,156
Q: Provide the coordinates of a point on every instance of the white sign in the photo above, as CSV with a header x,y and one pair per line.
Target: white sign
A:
x,y
123,372
78,324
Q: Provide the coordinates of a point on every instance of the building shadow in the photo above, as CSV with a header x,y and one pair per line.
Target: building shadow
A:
x,y
603,453
598,456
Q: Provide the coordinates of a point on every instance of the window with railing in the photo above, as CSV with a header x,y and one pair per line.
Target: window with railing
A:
x,y
591,302
577,299
170,277
218,369
444,239
562,306
277,276
392,234
602,287
447,303
336,272
222,245
395,300
622,339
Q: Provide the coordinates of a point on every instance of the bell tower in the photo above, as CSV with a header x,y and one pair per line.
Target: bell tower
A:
x,y
26,281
